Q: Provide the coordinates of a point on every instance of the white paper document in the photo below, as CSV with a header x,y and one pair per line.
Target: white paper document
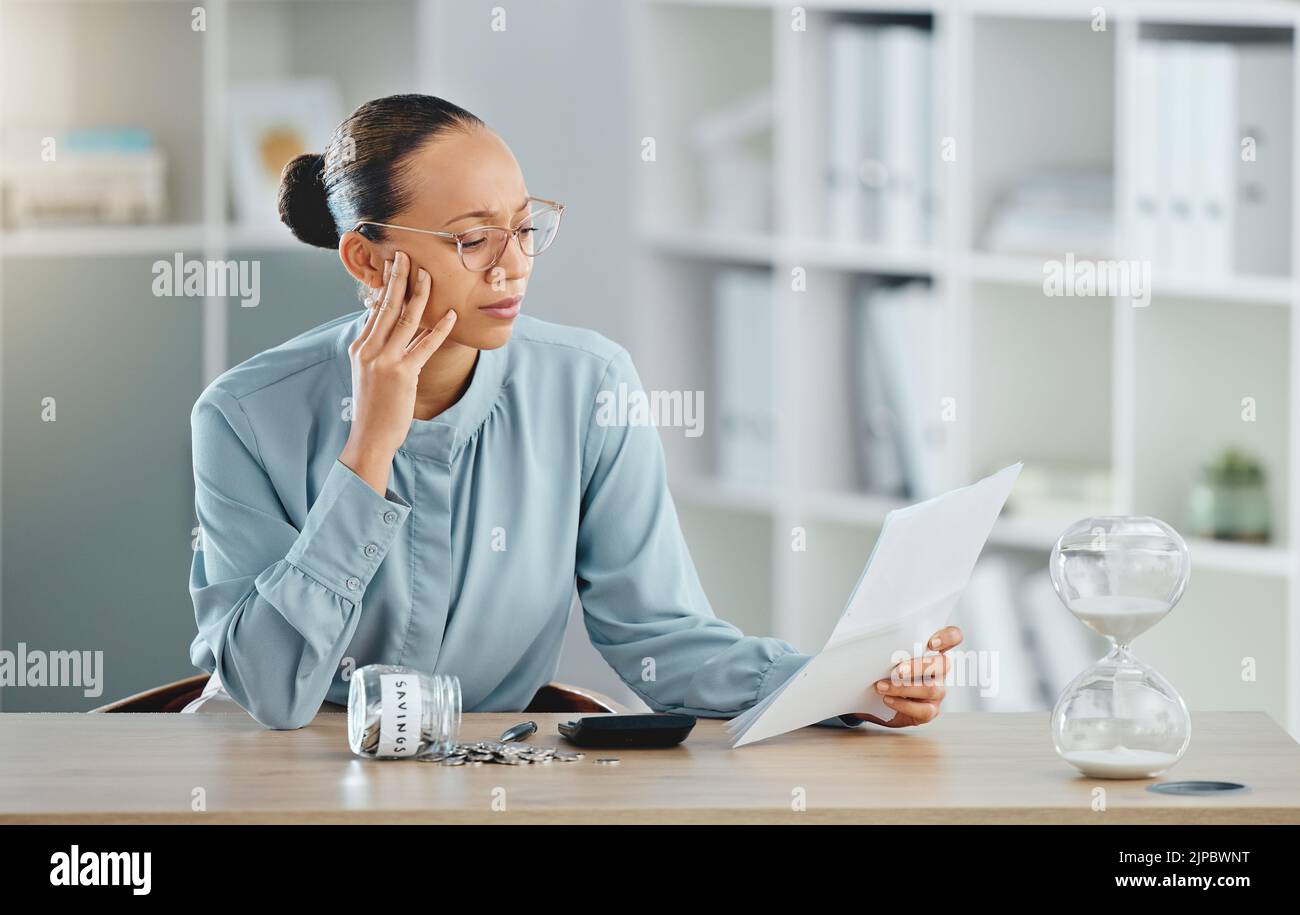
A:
x,y
917,570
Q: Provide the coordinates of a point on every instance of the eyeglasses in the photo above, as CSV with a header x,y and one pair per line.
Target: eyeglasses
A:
x,y
481,247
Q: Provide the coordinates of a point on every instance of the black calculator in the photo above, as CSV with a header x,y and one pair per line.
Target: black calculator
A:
x,y
635,731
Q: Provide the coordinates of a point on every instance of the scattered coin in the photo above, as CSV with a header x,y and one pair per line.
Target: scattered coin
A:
x,y
493,751
609,761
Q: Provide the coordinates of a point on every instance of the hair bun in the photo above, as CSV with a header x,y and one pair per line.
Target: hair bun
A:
x,y
302,201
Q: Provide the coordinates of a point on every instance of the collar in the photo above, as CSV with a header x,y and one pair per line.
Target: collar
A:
x,y
442,437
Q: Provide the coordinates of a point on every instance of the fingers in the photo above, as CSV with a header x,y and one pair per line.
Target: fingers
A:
x,y
919,712
906,715
914,689
394,297
373,299
407,326
925,692
927,670
424,345
370,318
948,637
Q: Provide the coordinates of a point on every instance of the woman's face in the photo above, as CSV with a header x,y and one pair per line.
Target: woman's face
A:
x,y
461,180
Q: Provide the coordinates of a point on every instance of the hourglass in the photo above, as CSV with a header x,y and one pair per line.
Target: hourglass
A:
x,y
1120,576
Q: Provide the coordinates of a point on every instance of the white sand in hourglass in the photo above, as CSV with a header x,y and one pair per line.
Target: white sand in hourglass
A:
x,y
1121,618
1120,762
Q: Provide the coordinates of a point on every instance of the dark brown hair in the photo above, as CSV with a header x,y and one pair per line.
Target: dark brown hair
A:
x,y
360,174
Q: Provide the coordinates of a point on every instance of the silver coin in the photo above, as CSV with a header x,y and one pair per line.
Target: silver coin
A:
x,y
609,761
495,752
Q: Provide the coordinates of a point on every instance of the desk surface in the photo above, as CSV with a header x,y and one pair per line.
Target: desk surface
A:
x,y
961,768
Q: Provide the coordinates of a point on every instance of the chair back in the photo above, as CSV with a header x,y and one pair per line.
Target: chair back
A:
x,y
172,697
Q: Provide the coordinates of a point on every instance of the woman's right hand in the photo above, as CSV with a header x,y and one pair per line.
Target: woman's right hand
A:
x,y
386,360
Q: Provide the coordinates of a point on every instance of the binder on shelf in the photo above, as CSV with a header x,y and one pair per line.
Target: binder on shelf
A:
x,y
1263,200
1201,203
875,425
989,616
1149,196
1061,645
904,437
905,110
879,143
1214,207
853,204
1178,79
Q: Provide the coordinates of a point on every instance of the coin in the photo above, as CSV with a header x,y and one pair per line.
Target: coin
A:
x,y
491,751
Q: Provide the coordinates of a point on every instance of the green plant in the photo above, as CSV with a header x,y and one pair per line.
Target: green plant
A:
x,y
1234,467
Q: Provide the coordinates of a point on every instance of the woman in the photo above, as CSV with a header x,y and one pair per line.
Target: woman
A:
x,y
422,482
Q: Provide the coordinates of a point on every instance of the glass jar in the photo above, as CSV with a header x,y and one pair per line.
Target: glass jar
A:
x,y
398,712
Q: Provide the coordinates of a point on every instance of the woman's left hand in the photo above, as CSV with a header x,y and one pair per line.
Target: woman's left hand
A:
x,y
914,688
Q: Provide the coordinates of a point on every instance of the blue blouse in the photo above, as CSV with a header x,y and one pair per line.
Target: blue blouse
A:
x,y
495,508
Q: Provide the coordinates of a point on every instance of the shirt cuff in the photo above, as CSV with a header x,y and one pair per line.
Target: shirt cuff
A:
x,y
348,532
782,668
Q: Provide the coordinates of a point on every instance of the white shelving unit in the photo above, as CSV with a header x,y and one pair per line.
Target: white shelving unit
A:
x,y
1017,84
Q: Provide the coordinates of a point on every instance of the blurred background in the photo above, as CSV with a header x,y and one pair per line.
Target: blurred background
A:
x,y
894,246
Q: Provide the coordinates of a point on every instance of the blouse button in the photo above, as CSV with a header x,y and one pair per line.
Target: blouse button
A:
x,y
371,550
354,583
390,517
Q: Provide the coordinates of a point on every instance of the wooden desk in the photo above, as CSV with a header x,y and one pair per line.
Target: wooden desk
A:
x,y
962,768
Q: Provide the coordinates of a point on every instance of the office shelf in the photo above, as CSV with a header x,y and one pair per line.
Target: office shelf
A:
x,y
108,241
1020,270
99,241
1012,530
